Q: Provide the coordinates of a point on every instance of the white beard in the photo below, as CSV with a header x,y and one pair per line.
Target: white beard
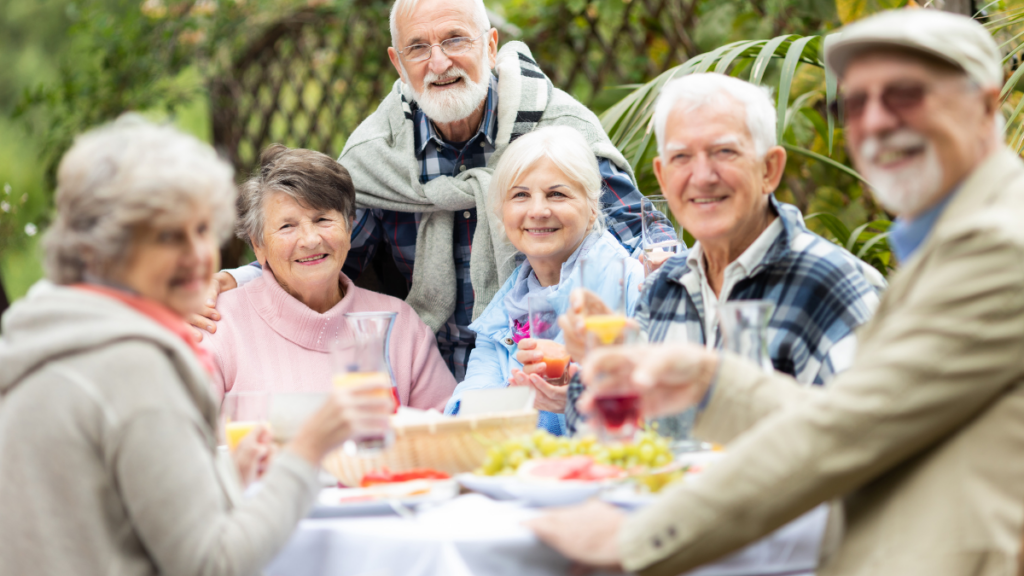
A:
x,y
452,104
908,190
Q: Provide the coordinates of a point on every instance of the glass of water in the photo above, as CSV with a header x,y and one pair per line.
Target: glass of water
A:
x,y
662,234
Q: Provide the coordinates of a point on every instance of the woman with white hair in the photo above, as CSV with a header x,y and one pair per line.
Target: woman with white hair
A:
x,y
108,430
546,190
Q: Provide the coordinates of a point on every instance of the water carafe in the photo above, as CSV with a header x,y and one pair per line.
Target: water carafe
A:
x,y
376,325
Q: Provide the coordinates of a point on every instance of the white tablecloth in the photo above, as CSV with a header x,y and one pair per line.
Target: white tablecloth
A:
x,y
473,535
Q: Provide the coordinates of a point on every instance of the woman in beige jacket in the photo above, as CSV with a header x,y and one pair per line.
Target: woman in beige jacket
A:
x,y
108,445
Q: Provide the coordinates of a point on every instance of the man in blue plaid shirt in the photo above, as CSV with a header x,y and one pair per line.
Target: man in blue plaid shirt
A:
x,y
718,166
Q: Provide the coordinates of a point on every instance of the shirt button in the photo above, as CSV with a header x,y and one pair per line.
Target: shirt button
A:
x,y
672,531
509,341
462,168
656,542
438,147
466,214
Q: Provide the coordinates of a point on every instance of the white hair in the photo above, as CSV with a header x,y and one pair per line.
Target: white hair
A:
x,y
697,91
115,179
405,7
566,148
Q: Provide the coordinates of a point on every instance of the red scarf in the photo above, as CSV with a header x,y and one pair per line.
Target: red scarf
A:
x,y
160,314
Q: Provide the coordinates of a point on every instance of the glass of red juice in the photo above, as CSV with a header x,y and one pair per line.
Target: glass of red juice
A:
x,y
617,410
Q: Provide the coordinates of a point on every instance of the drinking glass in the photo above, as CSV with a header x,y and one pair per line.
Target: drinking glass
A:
x,y
662,235
371,325
543,320
241,413
744,326
356,363
617,409
607,279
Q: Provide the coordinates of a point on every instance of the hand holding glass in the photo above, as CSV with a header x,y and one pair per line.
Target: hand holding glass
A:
x,y
359,369
543,319
662,235
243,412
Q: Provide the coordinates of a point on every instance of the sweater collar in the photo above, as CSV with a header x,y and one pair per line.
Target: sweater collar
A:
x,y
295,321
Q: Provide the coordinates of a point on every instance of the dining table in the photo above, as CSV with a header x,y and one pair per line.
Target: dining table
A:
x,y
474,535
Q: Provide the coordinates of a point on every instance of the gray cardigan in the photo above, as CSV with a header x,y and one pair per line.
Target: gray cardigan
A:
x,y
108,452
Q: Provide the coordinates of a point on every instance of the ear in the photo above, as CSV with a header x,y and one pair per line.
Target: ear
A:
x,y
657,173
492,47
394,56
774,166
259,251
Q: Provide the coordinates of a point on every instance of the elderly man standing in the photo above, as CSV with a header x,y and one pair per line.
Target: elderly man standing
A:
x,y
718,166
421,164
922,435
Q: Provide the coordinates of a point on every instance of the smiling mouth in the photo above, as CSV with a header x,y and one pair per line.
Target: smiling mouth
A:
x,y
711,200
541,230
310,259
444,83
893,156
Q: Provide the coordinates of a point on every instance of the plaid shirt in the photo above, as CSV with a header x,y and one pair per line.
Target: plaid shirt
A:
x,y
440,158
821,292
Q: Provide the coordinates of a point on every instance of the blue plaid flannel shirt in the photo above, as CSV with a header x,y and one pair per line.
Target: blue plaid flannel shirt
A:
x,y
821,292
440,158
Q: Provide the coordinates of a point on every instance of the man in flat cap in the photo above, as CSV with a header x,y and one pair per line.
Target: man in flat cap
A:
x,y
923,437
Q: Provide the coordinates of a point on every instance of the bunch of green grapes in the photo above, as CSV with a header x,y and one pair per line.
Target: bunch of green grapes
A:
x,y
648,451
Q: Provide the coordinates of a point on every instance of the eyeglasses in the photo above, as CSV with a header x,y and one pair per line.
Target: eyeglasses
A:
x,y
896,98
450,47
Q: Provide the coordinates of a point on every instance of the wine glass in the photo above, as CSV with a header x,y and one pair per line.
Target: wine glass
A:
x,y
607,279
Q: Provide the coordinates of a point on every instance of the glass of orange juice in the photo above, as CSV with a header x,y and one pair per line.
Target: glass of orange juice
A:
x,y
543,324
243,412
607,279
356,363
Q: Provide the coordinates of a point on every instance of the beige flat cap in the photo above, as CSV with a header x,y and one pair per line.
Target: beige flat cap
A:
x,y
953,38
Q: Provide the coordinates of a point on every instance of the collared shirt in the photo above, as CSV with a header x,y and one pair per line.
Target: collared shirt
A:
x,y
821,292
737,270
437,157
906,235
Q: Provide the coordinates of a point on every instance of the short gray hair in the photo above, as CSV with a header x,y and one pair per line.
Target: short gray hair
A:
x,y
696,91
115,179
566,148
405,7
313,179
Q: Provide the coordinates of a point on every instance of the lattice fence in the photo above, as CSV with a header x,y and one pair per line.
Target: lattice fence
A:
x,y
312,77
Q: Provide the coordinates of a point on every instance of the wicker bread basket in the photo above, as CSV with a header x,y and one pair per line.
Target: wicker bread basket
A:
x,y
452,445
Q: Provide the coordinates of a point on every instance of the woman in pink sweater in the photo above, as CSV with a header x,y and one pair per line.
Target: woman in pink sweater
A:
x,y
275,334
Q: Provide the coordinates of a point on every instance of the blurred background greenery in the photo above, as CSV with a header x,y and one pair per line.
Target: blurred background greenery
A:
x,y
244,73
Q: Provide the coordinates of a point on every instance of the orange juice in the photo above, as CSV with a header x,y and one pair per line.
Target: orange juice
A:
x,y
607,327
235,431
352,379
556,358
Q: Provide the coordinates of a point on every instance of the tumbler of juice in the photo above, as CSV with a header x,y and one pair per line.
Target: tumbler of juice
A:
x,y
604,329
619,413
241,413
235,431
556,360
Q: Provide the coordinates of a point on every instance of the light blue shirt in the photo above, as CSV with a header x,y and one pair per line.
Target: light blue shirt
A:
x,y
906,236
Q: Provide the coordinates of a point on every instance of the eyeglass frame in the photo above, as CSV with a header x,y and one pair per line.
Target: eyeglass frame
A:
x,y
838,107
430,47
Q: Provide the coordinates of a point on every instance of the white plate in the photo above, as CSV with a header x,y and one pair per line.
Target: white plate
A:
x,y
532,493
330,503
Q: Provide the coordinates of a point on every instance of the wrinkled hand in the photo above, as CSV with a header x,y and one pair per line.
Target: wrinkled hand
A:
x,y
205,319
588,533
253,454
669,377
549,398
654,262
582,302
528,355
354,412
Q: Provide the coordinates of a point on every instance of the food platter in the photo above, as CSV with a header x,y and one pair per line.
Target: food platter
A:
x,y
382,498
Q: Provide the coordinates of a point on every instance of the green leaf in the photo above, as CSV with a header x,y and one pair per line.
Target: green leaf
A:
x,y
833,225
796,50
825,160
831,89
1011,82
766,54
723,65
870,244
855,235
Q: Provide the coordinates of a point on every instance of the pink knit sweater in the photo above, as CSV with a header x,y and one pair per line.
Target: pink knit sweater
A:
x,y
268,340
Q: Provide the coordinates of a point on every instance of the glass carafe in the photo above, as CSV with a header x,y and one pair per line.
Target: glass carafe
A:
x,y
744,326
376,325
